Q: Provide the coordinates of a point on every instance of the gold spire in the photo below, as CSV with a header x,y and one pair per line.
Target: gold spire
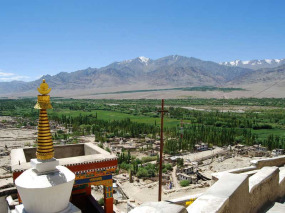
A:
x,y
45,145
44,90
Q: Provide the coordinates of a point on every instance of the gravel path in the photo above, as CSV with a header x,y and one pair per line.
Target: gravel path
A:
x,y
174,178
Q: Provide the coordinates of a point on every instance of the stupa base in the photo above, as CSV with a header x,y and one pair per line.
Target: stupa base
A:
x,y
43,167
70,209
45,193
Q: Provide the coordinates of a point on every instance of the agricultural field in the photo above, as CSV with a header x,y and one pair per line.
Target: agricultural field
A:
x,y
213,121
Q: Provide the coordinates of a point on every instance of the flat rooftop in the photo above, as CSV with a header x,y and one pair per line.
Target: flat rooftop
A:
x,y
75,154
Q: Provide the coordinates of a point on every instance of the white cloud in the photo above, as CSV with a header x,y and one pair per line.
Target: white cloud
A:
x,y
6,77
3,74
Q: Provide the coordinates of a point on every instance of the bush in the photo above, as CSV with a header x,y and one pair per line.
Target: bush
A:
x,y
149,170
239,139
142,172
148,159
27,144
167,166
180,162
262,126
137,161
218,124
184,183
125,166
101,145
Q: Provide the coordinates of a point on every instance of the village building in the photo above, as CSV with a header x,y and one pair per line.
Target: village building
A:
x,y
201,147
240,149
255,151
149,140
182,176
280,151
151,152
188,170
276,152
157,143
172,159
260,148
191,178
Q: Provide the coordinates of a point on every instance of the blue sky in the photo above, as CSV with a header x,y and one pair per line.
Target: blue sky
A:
x,y
47,37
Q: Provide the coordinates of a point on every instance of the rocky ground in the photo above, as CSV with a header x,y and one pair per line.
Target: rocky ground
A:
x,y
11,138
14,137
144,191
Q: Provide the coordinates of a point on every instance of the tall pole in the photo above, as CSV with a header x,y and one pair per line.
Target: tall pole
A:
x,y
181,134
162,111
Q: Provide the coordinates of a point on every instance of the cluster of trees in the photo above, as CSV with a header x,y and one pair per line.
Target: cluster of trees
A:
x,y
135,166
140,167
217,118
212,127
195,133
273,142
102,129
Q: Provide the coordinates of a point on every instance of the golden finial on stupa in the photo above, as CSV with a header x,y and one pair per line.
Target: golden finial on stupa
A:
x,y
44,89
45,149
44,99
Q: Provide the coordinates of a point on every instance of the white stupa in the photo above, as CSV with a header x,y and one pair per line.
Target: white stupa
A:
x,y
46,187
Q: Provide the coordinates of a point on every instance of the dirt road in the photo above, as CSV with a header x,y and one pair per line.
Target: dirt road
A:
x,y
174,178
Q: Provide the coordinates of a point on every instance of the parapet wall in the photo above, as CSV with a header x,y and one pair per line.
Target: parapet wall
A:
x,y
282,182
229,194
263,188
60,151
91,149
249,189
277,161
75,154
67,151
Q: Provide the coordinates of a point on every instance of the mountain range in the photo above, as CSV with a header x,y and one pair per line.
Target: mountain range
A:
x,y
145,73
255,64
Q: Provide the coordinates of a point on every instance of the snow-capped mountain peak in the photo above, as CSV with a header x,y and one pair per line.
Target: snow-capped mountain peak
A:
x,y
255,64
144,59
140,59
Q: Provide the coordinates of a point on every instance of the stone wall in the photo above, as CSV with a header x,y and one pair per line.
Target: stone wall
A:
x,y
249,189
